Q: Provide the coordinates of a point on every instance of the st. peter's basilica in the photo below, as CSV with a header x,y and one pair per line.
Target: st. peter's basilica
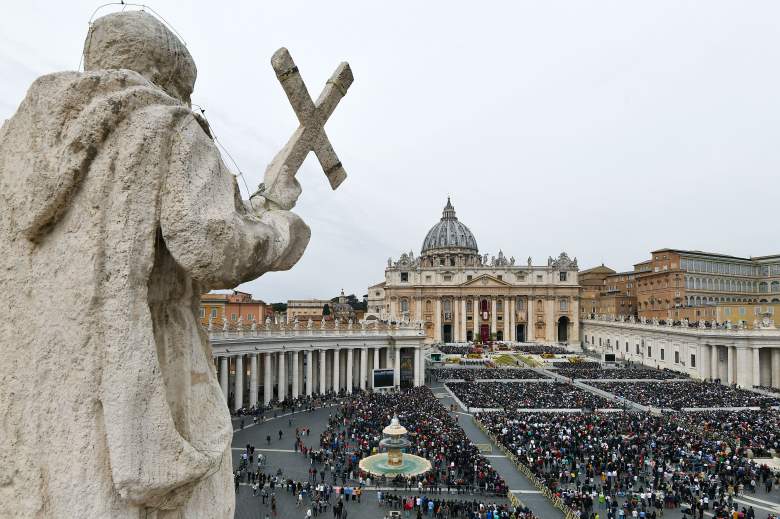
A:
x,y
460,294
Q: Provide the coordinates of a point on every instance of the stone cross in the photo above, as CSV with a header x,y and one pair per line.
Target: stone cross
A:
x,y
279,187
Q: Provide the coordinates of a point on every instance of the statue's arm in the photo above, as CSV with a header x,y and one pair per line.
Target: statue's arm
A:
x,y
220,239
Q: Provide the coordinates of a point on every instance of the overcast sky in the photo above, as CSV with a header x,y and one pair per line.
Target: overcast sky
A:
x,y
603,129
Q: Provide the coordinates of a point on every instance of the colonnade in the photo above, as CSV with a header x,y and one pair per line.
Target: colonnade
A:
x,y
291,373
744,366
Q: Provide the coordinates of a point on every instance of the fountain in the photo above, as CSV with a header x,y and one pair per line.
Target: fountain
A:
x,y
394,461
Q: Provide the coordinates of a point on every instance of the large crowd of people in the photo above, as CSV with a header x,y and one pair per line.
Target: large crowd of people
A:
x,y
439,374
634,464
582,365
526,395
456,463
679,395
454,349
540,349
452,508
750,433
599,373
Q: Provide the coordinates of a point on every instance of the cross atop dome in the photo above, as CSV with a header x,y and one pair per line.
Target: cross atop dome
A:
x,y
449,210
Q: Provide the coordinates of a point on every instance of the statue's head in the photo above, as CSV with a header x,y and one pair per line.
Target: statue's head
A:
x,y
136,40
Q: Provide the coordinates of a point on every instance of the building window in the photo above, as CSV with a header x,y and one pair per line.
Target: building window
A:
x,y
676,357
427,279
539,279
233,317
637,349
649,351
693,360
376,293
404,306
500,305
250,317
202,312
563,276
662,354
404,277
447,277
214,312
564,305
500,277
519,303
469,277
468,306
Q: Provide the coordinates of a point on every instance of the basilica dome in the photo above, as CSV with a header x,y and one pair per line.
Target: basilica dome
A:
x,y
449,234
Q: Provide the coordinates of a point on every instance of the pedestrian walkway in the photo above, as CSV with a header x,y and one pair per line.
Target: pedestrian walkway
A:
x,y
518,483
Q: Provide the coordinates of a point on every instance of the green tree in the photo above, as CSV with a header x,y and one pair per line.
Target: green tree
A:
x,y
325,310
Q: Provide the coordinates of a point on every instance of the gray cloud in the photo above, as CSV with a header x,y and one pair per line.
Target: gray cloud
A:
x,y
605,129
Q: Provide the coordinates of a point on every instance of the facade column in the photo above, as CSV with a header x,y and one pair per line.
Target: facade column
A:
x,y
253,380
475,315
223,376
756,367
704,361
323,389
396,366
282,384
349,371
309,372
549,320
530,321
377,353
455,320
493,316
336,370
268,378
437,320
238,399
418,308
462,323
776,367
507,319
295,374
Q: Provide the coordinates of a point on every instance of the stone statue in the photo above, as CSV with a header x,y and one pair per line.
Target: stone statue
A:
x,y
254,326
389,262
511,261
268,323
211,324
295,323
322,323
225,325
728,325
529,261
309,324
116,202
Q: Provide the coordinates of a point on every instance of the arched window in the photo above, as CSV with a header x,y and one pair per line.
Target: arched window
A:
x,y
775,286
448,306
428,305
404,306
468,306
520,303
763,287
500,305
483,305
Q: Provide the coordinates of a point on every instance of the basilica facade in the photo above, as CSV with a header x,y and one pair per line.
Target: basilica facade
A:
x,y
460,295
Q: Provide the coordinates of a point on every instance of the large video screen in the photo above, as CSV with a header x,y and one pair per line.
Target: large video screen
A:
x,y
609,357
383,378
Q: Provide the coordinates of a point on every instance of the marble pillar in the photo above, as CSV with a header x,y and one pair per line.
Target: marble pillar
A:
x,y
295,374
253,380
756,365
323,388
462,323
417,360
363,368
437,321
714,359
336,370
475,315
309,372
776,367
731,365
268,381
396,366
350,369
223,376
281,389
493,316
238,390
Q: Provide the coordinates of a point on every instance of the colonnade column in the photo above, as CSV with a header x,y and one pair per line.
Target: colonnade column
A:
x,y
493,317
322,372
282,377
238,390
309,372
253,380
731,364
776,367
417,357
714,359
363,368
223,376
336,370
349,371
396,366
295,375
756,367
377,353
268,379
704,361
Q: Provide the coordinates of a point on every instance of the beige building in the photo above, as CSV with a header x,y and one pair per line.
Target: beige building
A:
x,y
460,295
305,309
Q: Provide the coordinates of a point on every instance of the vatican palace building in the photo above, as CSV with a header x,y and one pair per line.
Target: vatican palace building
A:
x,y
460,295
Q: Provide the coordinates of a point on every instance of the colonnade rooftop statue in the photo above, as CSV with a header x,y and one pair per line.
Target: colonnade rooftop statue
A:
x,y
117,213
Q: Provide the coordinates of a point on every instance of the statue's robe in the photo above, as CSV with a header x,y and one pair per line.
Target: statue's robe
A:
x,y
116,212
